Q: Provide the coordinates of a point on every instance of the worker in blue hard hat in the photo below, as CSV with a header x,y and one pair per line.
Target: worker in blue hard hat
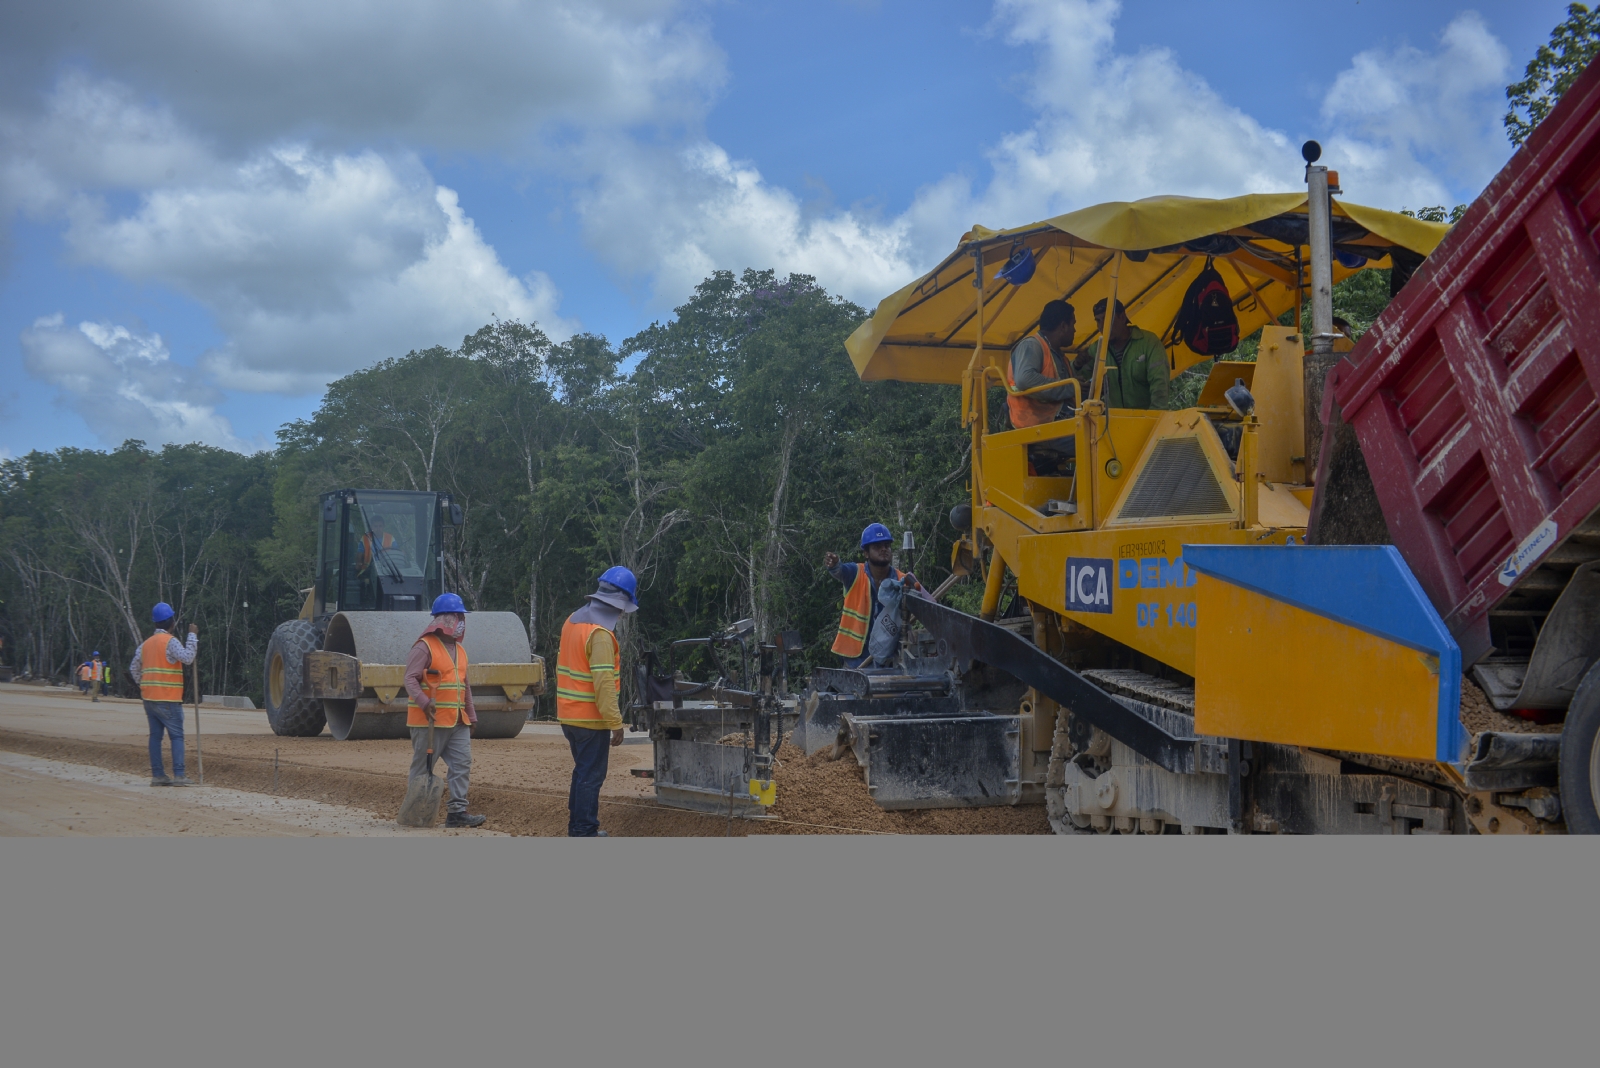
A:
x,y
861,581
440,697
157,667
589,691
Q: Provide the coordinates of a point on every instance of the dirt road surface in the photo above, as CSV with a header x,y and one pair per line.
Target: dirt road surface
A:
x,y
47,797
519,783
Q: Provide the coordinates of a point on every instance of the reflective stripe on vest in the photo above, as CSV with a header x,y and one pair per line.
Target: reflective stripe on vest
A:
x,y
443,682
857,613
160,677
575,693
1031,411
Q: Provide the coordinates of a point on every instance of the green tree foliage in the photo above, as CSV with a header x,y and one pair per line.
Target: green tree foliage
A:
x,y
1552,70
1437,213
718,454
90,540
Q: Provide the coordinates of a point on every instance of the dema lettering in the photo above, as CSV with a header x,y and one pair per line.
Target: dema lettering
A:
x,y
1154,573
1089,584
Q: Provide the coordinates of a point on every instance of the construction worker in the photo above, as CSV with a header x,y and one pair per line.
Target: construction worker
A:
x,y
105,679
1137,375
85,676
1038,359
375,540
99,668
861,581
436,681
157,667
588,692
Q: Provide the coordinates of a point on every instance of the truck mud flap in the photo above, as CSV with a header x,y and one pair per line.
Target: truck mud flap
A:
x,y
937,762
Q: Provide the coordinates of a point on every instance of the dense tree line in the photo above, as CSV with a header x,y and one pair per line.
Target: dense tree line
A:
x,y
717,455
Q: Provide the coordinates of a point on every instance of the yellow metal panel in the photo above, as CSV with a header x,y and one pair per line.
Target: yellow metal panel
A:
x,y
1269,671
1279,390
1149,595
1224,373
1278,506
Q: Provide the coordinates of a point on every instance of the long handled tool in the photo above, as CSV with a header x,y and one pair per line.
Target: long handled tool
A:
x,y
423,793
199,750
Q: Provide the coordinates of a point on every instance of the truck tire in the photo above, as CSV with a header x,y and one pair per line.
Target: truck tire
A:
x,y
1580,758
288,712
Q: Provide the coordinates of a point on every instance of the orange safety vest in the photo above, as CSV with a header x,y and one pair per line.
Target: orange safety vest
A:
x,y
1031,411
86,673
857,613
445,683
160,677
575,693
367,553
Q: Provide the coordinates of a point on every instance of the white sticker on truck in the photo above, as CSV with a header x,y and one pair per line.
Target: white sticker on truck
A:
x,y
1535,545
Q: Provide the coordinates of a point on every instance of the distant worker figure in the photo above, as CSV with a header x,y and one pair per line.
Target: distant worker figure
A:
x,y
376,539
100,669
861,582
588,692
436,683
105,679
1137,375
1038,359
86,675
157,667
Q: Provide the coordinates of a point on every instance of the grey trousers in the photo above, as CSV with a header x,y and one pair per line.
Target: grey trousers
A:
x,y
451,746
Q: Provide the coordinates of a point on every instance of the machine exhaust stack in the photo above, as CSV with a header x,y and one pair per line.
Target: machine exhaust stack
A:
x,y
1321,357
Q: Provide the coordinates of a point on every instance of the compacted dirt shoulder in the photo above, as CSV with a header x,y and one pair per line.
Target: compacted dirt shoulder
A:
x,y
519,783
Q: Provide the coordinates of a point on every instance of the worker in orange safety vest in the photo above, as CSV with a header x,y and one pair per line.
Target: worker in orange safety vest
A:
x,y
861,582
157,667
588,693
375,540
439,696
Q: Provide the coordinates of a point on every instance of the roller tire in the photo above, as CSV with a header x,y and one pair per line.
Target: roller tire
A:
x,y
500,724
1580,758
289,713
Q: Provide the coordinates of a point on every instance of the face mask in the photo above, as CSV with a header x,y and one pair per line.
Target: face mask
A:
x,y
461,630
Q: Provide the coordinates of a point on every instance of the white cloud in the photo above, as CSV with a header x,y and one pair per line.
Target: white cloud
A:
x,y
678,216
124,384
481,75
1418,127
1409,125
317,265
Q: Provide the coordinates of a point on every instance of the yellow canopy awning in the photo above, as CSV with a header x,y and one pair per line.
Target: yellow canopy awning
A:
x,y
928,331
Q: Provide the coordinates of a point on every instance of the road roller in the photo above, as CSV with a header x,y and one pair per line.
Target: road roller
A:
x,y
341,663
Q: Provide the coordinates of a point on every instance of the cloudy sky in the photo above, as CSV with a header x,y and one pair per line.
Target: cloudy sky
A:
x,y
208,211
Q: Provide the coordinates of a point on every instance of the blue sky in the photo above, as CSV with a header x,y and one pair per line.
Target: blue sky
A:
x,y
206,216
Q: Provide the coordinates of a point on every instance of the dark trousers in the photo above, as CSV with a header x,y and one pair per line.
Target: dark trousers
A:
x,y
165,716
591,754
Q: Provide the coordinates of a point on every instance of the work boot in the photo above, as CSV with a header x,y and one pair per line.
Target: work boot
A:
x,y
162,781
601,834
463,819
182,781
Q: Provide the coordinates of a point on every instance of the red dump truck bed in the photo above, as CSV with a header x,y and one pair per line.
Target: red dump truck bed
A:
x,y
1474,394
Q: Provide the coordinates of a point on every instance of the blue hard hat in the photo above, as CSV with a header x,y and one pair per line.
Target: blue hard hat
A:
x,y
448,602
96,653
875,533
622,579
161,612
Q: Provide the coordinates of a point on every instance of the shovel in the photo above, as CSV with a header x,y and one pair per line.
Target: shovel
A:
x,y
423,793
